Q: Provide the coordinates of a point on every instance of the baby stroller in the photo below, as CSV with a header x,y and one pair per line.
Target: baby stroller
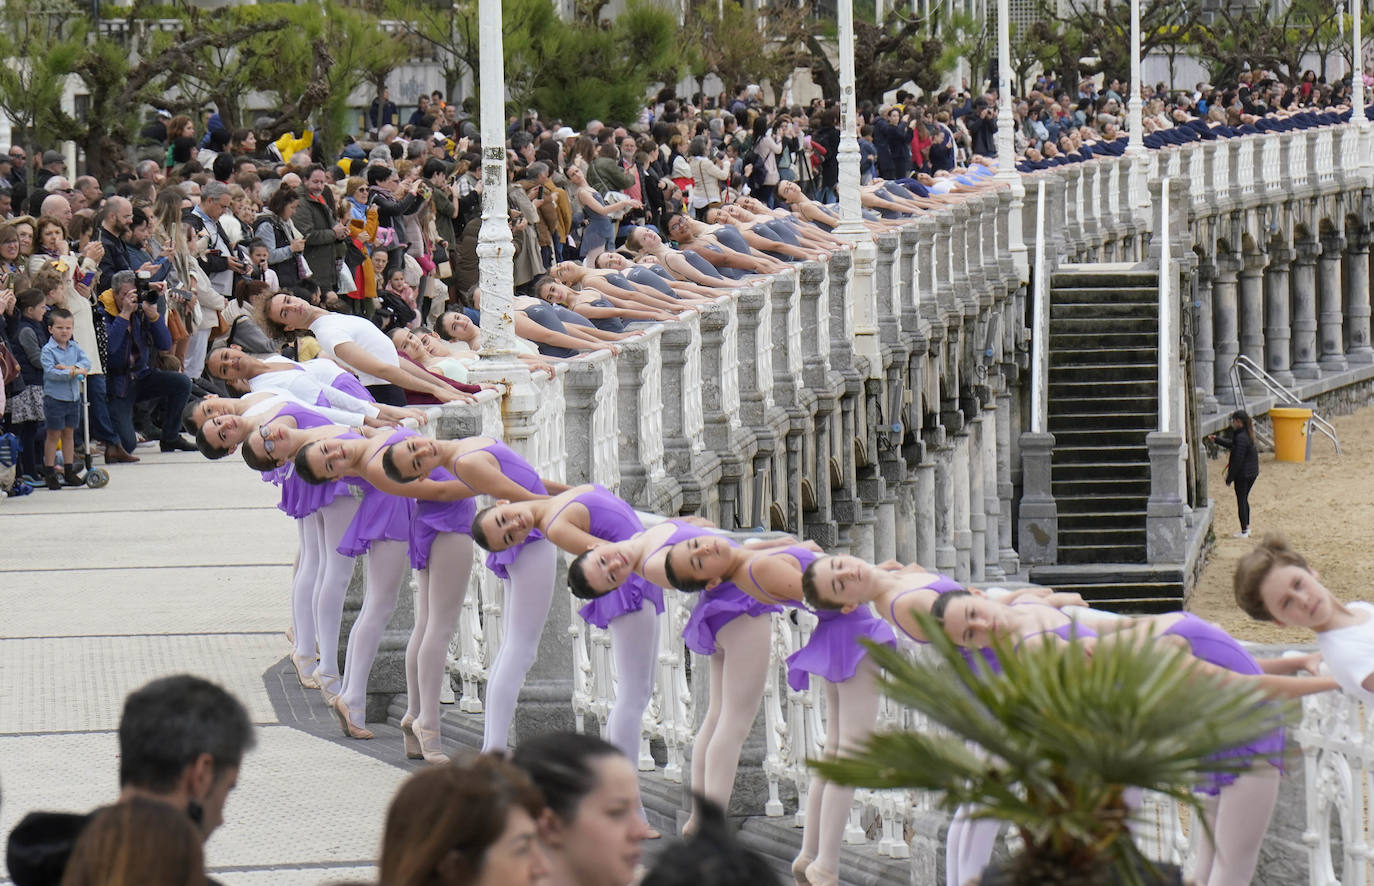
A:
x,y
96,478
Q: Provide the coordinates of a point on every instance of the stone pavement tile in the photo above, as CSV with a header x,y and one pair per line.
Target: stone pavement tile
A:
x,y
121,540
191,600
311,876
300,801
79,683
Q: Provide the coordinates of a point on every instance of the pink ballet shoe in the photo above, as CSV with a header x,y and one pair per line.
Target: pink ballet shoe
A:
x,y
799,867
305,668
815,876
430,749
412,744
341,712
329,685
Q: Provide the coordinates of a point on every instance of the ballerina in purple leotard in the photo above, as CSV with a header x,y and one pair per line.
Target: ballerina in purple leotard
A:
x,y
576,521
486,466
388,526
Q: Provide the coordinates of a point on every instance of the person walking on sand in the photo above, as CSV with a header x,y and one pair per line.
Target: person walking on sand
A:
x,y
1243,466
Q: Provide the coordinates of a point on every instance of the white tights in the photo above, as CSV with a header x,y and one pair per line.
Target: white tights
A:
x,y
331,580
739,669
442,585
529,591
634,646
851,712
1239,818
386,565
968,845
303,586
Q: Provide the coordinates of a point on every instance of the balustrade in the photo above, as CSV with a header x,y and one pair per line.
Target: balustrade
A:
x,y
759,411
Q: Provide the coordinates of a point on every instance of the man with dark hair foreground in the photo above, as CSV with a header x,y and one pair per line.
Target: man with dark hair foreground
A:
x,y
181,741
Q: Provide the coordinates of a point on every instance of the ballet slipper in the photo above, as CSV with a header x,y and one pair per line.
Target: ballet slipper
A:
x,y
815,876
431,751
305,668
345,719
412,744
799,867
329,686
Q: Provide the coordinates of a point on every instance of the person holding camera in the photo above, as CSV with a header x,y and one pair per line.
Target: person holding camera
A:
x,y
136,333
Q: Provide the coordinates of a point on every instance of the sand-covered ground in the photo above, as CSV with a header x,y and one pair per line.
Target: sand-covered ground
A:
x,y
1325,507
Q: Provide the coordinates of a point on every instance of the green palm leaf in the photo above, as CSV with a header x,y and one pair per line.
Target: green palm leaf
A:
x,y
1052,742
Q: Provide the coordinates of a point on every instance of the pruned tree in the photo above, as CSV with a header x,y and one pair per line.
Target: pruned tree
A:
x,y
906,47
41,44
741,46
1095,35
1246,38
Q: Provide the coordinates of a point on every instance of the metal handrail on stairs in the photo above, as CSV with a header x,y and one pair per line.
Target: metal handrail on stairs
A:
x,y
1283,396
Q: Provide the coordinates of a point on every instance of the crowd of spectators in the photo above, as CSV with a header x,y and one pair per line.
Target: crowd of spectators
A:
x,y
615,225
561,811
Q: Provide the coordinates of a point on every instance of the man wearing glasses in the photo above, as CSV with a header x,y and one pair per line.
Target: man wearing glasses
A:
x,y
18,175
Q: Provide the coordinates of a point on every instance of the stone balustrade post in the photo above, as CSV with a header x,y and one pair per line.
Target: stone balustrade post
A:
x,y
1278,333
1204,357
696,469
1038,529
1224,323
1166,527
1007,557
1252,306
1304,317
1331,318
725,432
942,448
909,272
887,288
959,483
1357,346
590,389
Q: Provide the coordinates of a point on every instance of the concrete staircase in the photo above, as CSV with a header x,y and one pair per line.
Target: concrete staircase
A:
x,y
1103,386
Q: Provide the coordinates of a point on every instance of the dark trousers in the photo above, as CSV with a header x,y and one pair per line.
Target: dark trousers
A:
x,y
1243,485
169,389
101,427
388,394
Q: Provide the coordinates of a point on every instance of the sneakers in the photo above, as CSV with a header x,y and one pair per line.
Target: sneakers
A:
x,y
1244,533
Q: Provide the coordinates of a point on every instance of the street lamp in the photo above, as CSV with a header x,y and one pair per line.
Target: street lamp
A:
x,y
495,246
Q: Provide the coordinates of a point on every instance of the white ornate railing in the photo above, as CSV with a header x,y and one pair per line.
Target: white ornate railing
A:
x,y
660,417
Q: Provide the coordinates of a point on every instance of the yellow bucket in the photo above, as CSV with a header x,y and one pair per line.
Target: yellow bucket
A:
x,y
1290,432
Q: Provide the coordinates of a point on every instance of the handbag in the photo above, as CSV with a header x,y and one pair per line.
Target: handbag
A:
x,y
9,367
221,326
345,275
176,326
443,269
615,197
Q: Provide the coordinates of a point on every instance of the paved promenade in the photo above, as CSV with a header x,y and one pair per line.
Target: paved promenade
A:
x,y
179,565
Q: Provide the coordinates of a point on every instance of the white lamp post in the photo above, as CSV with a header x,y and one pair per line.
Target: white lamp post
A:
x,y
1357,115
1006,141
862,306
495,247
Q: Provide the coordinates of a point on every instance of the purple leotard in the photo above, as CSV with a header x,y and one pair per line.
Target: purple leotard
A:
x,y
381,516
300,499
518,471
1068,631
610,518
834,651
717,607
943,584
434,517
1213,645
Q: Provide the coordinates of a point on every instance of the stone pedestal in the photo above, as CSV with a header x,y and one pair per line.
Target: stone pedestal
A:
x,y
545,703
1038,526
1356,276
1252,306
1224,326
1304,289
1007,557
1278,334
946,558
1204,356
1331,318
1166,529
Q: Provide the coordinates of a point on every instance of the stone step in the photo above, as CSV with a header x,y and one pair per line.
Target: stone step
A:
x,y
1103,355
1100,437
1118,587
1085,554
1086,402
1097,454
1115,421
1107,294
1118,527
1101,489
1089,390
1103,372
1110,325
1077,505
1103,275
1069,341
1111,471
1068,310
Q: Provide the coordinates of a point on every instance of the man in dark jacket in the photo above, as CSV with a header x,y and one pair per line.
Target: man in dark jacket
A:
x,y
319,223
114,227
136,333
